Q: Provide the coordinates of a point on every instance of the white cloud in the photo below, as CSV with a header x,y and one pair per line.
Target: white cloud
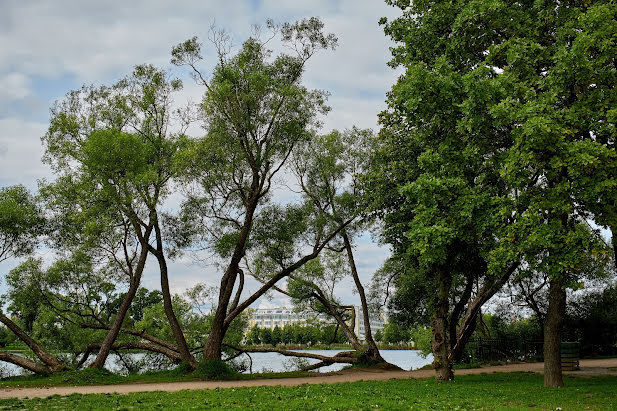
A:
x,y
21,151
50,48
14,86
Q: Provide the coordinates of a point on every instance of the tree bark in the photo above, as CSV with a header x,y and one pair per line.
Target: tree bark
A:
x,y
338,358
454,317
340,321
439,342
114,330
137,333
174,356
24,362
469,321
214,343
373,351
182,346
552,334
51,362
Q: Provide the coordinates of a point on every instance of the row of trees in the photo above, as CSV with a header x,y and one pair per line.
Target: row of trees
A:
x,y
296,334
495,165
496,160
120,152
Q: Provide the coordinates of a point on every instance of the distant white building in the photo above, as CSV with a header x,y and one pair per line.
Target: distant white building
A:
x,y
273,317
281,316
377,323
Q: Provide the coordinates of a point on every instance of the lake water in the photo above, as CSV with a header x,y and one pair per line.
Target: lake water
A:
x,y
406,359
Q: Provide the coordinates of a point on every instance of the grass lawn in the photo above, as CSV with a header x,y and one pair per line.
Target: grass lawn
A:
x,y
103,377
485,391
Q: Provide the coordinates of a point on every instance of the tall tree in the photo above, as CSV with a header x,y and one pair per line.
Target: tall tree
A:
x,y
500,161
256,111
114,152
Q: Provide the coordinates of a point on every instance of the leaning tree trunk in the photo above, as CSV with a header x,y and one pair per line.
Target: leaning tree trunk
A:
x,y
25,363
213,348
373,352
183,347
439,342
52,364
214,344
114,330
552,334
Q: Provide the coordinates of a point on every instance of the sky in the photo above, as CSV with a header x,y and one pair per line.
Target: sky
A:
x,y
49,48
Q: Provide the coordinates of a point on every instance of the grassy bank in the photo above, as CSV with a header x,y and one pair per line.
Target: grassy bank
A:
x,y
487,391
103,377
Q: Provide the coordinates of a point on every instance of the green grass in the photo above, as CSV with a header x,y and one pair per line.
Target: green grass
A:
x,y
103,377
485,391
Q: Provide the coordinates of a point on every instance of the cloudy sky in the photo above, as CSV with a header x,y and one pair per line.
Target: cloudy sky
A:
x,y
49,48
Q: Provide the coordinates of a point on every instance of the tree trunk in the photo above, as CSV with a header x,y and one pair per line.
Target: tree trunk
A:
x,y
114,330
552,334
439,342
455,353
469,322
373,352
214,343
349,333
51,362
25,363
182,346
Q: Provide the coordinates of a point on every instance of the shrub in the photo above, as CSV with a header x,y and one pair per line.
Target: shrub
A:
x,y
213,370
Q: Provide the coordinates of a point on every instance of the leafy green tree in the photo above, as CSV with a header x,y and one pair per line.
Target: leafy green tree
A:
x,y
394,334
21,227
21,222
379,336
252,337
265,336
276,335
113,154
256,111
505,164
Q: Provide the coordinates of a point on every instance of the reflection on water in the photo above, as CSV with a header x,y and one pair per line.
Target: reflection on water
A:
x,y
406,359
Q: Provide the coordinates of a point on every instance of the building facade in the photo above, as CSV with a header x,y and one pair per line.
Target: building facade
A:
x,y
282,316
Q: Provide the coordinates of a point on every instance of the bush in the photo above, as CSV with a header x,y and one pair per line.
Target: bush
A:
x,y
213,370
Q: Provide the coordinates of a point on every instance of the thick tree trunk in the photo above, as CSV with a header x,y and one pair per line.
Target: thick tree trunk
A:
x,y
182,346
439,342
469,321
114,330
456,354
345,357
214,344
51,362
552,334
25,363
373,352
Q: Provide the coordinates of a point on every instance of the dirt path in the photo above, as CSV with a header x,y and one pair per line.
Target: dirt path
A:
x,y
588,368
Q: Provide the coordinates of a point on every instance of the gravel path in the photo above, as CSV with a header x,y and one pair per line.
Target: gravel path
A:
x,y
589,368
